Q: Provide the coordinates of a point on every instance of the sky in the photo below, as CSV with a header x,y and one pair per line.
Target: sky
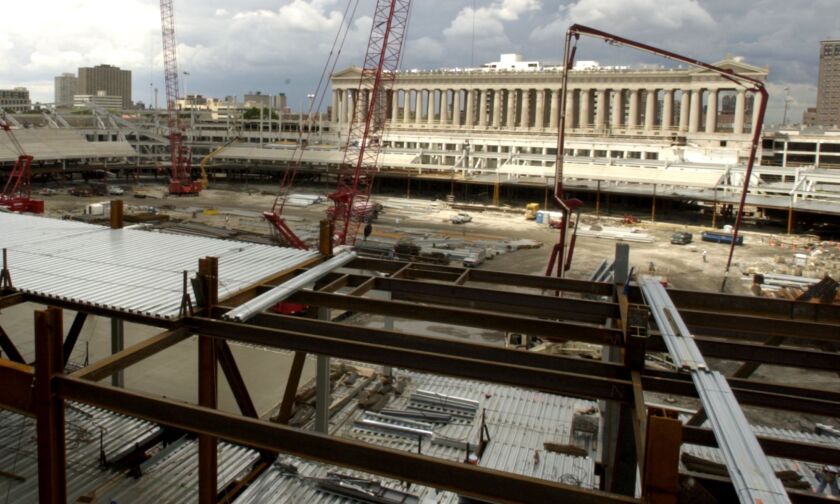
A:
x,y
281,46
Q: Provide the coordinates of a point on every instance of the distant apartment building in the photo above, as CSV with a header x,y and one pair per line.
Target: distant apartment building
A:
x,y
809,117
101,100
16,100
257,99
110,79
66,86
828,86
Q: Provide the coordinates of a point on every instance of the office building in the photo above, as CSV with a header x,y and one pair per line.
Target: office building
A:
x,y
66,85
111,79
15,100
828,86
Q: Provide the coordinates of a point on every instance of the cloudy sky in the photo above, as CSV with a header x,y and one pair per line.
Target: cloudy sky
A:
x,y
230,48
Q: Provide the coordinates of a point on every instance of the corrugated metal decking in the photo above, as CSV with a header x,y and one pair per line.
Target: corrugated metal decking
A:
x,y
128,270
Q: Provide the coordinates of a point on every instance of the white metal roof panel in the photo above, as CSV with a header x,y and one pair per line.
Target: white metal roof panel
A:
x,y
52,144
129,270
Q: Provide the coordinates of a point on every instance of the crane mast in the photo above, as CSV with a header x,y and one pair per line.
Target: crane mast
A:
x,y
180,182
351,199
17,190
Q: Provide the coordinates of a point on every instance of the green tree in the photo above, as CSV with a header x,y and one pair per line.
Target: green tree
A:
x,y
253,114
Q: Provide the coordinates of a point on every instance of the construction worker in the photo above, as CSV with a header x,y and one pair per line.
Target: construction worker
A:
x,y
368,230
828,478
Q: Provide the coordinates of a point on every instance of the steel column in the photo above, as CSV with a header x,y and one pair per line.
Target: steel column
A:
x,y
49,408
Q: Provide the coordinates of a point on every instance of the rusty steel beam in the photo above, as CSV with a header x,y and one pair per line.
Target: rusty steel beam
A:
x,y
102,311
8,347
208,386
234,378
722,490
548,329
73,335
503,301
465,479
12,299
49,408
751,393
456,348
750,352
572,384
16,392
104,368
772,447
754,306
285,412
757,328
498,277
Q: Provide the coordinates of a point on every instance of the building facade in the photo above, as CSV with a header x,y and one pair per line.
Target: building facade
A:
x,y
111,79
658,107
15,100
100,100
66,86
828,87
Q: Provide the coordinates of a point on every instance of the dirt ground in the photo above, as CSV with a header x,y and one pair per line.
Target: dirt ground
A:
x,y
683,266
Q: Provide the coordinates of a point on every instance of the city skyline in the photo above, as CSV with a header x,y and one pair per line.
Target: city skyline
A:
x,y
230,50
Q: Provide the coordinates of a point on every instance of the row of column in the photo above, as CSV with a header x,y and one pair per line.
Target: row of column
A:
x,y
594,108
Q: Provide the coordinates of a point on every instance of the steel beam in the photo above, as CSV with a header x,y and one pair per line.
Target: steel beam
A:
x,y
465,479
16,392
208,268
101,311
456,348
754,306
132,355
7,300
575,385
549,329
502,301
758,328
285,412
49,408
9,348
234,378
773,447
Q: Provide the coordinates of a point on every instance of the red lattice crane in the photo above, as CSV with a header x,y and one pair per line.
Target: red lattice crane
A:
x,y
351,199
180,181
17,191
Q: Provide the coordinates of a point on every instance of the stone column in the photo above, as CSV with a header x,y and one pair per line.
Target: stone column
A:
x,y
539,114
694,113
601,111
456,107
510,113
395,106
711,111
334,108
482,108
407,106
351,101
755,109
525,113
633,115
444,106
470,119
685,100
585,119
430,111
570,109
738,121
555,109
667,109
418,118
650,110
618,108
497,108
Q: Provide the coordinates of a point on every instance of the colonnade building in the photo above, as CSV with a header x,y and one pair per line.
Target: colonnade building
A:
x,y
654,111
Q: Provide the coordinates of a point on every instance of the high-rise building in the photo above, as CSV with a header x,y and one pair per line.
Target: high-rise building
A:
x,y
15,100
66,85
828,87
111,79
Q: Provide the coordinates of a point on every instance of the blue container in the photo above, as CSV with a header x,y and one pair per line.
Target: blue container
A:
x,y
540,217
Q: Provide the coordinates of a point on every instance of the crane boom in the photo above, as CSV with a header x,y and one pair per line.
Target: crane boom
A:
x,y
180,182
351,199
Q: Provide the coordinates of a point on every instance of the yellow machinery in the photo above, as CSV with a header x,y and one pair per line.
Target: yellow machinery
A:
x,y
203,165
531,210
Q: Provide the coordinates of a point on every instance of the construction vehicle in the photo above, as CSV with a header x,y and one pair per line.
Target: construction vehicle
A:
x,y
17,191
180,180
202,166
351,199
531,210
